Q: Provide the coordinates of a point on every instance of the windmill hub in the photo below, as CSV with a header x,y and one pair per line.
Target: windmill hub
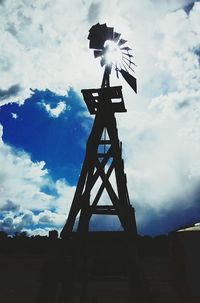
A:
x,y
113,53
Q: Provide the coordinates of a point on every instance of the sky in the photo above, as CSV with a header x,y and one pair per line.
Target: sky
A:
x,y
45,61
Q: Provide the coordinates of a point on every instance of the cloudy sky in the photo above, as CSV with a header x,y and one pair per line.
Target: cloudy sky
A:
x,y
45,62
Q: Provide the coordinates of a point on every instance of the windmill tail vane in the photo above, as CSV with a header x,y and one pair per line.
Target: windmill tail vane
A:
x,y
113,52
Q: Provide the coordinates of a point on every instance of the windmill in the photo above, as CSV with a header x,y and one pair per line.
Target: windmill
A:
x,y
103,159
83,253
114,53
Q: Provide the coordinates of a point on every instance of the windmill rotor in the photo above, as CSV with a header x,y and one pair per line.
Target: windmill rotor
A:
x,y
113,52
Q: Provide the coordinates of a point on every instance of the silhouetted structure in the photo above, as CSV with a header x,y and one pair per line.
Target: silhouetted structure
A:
x,y
103,157
103,171
88,263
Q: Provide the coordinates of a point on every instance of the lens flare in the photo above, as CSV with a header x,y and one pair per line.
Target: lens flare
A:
x,y
113,54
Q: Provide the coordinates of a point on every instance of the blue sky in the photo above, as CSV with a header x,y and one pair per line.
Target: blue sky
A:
x,y
44,125
59,141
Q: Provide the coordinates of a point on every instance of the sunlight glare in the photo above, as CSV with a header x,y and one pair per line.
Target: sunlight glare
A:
x,y
113,53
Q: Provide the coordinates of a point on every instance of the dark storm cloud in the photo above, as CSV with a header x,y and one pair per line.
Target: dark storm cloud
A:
x,y
197,53
8,226
94,11
10,206
27,220
12,91
7,223
45,219
11,28
183,212
188,8
2,2
183,104
187,5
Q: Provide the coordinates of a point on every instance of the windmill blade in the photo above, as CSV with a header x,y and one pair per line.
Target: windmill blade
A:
x,y
126,48
109,33
129,61
98,34
129,67
124,66
116,37
98,53
121,42
129,79
127,64
127,54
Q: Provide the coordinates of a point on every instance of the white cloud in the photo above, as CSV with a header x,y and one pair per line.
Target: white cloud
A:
x,y
45,44
21,186
160,131
22,180
26,220
14,115
9,206
55,111
65,196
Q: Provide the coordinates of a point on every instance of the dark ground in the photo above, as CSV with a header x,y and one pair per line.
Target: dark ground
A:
x,y
39,270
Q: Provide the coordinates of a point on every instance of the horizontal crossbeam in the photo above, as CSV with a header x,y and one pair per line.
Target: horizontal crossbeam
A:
x,y
104,210
104,142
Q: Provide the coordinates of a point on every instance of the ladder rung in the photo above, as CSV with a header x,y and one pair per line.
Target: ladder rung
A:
x,y
105,142
104,207
104,210
101,155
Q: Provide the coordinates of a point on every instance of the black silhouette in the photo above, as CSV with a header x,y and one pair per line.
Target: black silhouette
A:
x,y
99,36
104,150
45,269
103,160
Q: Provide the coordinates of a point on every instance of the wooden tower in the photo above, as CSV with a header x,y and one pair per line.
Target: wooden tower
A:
x,y
83,254
103,157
